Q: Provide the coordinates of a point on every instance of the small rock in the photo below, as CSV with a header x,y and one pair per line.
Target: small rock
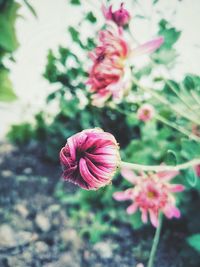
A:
x,y
22,210
6,173
42,222
10,238
27,171
41,247
67,260
6,236
104,250
71,238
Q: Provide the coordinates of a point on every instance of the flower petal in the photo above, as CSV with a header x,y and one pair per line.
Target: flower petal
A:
x,y
129,175
167,175
132,208
148,47
153,218
177,188
123,195
92,181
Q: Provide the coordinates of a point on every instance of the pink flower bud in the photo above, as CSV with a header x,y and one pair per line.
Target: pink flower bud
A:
x,y
145,112
90,158
121,16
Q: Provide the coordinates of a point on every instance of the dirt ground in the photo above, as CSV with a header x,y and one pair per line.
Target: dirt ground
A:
x,y
35,230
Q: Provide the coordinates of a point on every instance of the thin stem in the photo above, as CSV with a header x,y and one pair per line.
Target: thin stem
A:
x,y
178,128
155,242
158,168
171,86
165,101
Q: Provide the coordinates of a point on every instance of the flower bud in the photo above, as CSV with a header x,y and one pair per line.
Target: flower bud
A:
x,y
90,158
121,16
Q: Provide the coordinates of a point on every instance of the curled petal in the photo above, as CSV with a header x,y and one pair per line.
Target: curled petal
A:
x,y
90,179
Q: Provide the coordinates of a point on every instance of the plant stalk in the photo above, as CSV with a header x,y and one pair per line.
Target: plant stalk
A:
x,y
155,242
159,168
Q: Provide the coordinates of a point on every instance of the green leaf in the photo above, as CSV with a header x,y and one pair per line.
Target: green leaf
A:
x,y
90,16
170,34
194,241
191,81
6,90
75,2
8,39
191,177
74,34
171,158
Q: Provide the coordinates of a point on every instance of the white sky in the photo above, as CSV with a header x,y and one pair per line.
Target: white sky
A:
x,y
36,36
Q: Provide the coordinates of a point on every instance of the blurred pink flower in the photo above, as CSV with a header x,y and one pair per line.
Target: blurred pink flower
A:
x,y
110,75
151,194
107,76
146,112
197,170
121,16
90,158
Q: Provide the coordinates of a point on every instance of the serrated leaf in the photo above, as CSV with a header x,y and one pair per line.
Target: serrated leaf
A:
x,y
171,158
194,241
170,34
6,89
90,16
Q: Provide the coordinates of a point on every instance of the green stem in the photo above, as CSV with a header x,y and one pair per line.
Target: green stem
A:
x,y
155,242
159,168
178,128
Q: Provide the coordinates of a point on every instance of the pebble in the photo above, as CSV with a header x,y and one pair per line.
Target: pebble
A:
x,y
71,238
11,238
104,250
27,171
7,173
42,222
41,247
22,210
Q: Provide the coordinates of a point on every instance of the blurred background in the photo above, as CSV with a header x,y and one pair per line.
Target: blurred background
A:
x,y
44,61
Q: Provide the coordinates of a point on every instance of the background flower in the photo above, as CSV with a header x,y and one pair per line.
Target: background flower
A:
x,y
145,112
151,194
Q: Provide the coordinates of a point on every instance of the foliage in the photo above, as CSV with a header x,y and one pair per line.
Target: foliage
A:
x,y
9,12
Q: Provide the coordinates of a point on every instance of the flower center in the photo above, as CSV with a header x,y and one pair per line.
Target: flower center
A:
x,y
152,194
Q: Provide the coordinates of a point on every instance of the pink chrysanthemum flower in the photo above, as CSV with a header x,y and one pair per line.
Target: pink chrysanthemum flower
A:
x,y
121,16
146,112
90,158
110,74
151,194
